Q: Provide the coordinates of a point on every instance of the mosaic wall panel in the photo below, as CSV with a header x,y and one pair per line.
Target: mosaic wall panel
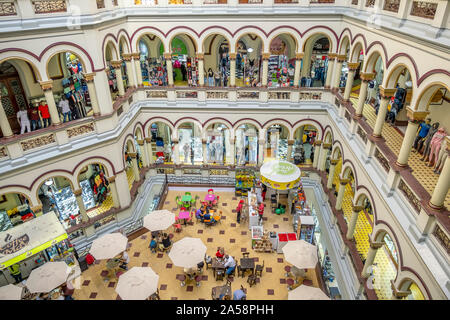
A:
x,y
84,129
37,142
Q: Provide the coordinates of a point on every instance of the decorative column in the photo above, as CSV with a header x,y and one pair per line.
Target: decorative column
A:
x,y
81,207
89,77
119,79
341,192
134,165
148,145
331,57
414,118
298,65
131,77
317,145
113,189
4,123
261,143
333,164
103,92
374,246
176,152
352,66
398,294
168,58
232,70
289,150
201,73
265,71
137,66
365,78
232,154
443,183
386,95
205,158
47,88
353,220
143,147
340,58
323,156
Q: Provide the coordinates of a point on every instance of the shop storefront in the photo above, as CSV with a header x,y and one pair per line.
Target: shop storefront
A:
x,y
14,210
190,144
281,67
246,146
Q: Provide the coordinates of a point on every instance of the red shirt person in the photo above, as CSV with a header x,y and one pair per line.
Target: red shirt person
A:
x,y
239,210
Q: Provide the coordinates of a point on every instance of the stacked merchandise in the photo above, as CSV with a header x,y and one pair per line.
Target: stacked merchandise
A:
x,y
86,194
299,153
156,72
159,150
244,182
263,245
303,221
280,71
99,185
66,203
5,222
112,81
192,71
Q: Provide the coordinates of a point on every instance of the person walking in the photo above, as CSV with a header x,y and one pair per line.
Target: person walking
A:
x,y
210,78
15,272
65,108
239,211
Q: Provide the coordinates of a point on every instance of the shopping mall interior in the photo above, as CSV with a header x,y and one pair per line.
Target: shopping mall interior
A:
x,y
224,149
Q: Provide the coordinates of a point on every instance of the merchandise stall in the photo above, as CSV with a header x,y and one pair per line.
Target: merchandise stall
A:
x,y
34,243
245,180
155,72
253,216
281,71
15,216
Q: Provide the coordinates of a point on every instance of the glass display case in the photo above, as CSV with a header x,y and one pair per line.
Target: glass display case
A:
x,y
66,203
5,223
257,234
87,195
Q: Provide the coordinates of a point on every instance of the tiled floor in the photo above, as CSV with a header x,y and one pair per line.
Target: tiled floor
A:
x,y
106,205
394,139
130,176
270,287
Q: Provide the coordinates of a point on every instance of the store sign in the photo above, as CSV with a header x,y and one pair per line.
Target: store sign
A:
x,y
15,245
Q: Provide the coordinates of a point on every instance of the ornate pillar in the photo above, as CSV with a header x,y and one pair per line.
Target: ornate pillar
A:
x,y
414,118
365,78
265,71
317,145
119,79
81,207
232,154
323,156
352,66
374,246
176,152
168,58
232,69
89,77
201,73
4,123
352,223
134,165
47,88
143,147
331,57
103,92
331,173
443,183
113,189
261,143
298,66
398,294
289,150
137,66
205,158
340,58
386,95
148,145
341,192
130,72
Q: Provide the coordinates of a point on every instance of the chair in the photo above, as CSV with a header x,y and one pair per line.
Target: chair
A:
x,y
182,278
228,282
177,227
219,275
218,217
209,222
287,269
252,279
290,283
245,254
179,202
208,265
307,282
259,268
198,217
239,270
198,278
190,220
187,193
210,190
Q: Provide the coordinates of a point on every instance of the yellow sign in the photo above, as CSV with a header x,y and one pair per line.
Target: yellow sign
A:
x,y
279,185
33,251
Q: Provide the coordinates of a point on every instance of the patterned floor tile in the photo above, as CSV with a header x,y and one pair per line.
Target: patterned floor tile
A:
x,y
86,283
93,295
136,254
270,292
163,287
111,284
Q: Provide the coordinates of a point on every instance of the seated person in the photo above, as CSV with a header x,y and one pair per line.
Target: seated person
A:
x,y
240,294
166,241
125,260
153,244
220,253
198,214
230,264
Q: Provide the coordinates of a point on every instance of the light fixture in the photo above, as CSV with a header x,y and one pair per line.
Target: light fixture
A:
x,y
49,182
250,50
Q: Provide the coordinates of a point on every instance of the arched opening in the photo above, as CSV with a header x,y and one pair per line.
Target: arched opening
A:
x,y
190,143
129,151
282,61
95,194
336,156
161,142
373,90
303,150
56,194
184,61
276,142
110,57
20,92
69,86
216,50
357,56
246,141
416,293
15,208
153,64
249,60
315,61
218,144
123,49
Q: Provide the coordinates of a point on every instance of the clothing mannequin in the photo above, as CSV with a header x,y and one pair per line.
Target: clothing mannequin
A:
x,y
22,118
186,149
441,158
427,143
421,134
436,143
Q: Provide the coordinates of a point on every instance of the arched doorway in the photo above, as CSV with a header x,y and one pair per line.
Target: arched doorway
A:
x,y
249,60
15,208
153,64
246,142
281,61
190,143
303,150
276,142
315,61
184,61
161,142
218,144
216,50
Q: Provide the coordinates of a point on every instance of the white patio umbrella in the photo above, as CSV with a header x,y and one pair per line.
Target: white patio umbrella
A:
x,y
137,284
301,254
48,276
11,292
187,252
108,246
307,293
159,220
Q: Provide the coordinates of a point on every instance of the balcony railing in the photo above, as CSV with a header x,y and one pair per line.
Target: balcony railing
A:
x,y
442,237
49,6
382,160
322,1
285,1
7,9
370,3
250,1
362,134
355,2
100,4
412,198
215,1
391,5
424,9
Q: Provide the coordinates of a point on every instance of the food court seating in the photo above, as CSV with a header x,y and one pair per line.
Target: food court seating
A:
x,y
259,268
290,283
252,279
177,227
198,278
245,254
218,217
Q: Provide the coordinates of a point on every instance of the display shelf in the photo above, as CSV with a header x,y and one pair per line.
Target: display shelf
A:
x,y
5,222
66,203
87,195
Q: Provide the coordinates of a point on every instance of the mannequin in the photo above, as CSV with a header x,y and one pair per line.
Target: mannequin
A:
x,y
426,144
421,134
441,158
186,149
436,143
22,118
